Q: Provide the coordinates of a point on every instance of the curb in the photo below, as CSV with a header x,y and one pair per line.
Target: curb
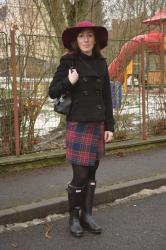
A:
x,y
59,205
58,157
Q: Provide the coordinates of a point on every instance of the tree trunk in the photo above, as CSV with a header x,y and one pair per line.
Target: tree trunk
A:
x,y
64,13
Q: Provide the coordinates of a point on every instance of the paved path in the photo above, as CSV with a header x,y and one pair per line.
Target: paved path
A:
x,y
46,183
136,225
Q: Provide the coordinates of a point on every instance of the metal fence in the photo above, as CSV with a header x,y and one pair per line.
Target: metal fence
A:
x,y
6,100
139,103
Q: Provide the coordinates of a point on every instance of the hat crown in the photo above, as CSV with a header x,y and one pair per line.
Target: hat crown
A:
x,y
84,24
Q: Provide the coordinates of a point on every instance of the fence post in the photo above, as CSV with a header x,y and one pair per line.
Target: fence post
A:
x,y
144,125
162,78
14,90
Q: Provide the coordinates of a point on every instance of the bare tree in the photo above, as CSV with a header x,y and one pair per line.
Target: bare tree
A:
x,y
64,13
123,10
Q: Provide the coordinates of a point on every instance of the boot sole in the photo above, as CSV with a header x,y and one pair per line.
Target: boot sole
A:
x,y
92,231
77,234
86,227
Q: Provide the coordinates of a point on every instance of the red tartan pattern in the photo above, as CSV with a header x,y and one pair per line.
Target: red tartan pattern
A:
x,y
84,142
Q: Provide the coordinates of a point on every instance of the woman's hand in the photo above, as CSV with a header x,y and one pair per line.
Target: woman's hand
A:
x,y
108,135
73,76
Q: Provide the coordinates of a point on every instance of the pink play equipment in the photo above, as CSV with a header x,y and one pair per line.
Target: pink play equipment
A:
x,y
153,41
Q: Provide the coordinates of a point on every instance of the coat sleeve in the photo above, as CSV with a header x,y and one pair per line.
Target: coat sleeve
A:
x,y
107,97
60,83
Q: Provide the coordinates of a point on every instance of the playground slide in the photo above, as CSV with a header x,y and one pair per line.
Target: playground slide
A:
x,y
151,41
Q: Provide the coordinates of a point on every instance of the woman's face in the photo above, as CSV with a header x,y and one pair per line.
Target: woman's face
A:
x,y
86,41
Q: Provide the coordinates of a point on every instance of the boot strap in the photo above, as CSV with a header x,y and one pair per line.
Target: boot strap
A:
x,y
77,189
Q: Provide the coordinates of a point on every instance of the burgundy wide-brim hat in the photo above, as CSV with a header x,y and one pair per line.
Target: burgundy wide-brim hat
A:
x,y
70,34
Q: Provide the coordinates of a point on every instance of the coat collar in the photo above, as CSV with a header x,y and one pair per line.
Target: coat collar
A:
x,y
82,63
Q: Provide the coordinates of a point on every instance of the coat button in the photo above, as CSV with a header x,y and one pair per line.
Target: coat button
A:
x,y
99,106
85,92
84,79
98,93
98,80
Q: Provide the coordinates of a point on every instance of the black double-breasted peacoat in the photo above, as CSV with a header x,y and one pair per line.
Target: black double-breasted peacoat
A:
x,y
91,95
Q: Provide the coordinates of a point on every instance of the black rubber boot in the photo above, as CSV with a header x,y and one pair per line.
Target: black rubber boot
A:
x,y
74,198
86,216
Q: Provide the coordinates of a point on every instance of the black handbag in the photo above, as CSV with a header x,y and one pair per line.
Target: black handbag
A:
x,y
62,105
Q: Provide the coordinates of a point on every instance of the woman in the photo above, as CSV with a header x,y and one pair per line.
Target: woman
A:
x,y
83,73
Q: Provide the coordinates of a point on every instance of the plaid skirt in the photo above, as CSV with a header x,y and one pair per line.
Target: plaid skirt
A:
x,y
84,142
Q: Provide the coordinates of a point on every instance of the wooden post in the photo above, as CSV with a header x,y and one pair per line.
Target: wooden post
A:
x,y
14,90
162,56
144,125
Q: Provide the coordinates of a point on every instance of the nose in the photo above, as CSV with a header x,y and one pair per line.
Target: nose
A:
x,y
85,38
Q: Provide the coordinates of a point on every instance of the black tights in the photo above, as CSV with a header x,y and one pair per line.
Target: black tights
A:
x,y
82,174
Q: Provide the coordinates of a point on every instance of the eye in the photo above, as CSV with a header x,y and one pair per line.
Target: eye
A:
x,y
80,35
91,35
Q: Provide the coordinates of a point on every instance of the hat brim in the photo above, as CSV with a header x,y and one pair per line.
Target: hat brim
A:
x,y
69,35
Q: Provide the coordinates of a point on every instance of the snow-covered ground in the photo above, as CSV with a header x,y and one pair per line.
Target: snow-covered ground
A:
x,y
131,108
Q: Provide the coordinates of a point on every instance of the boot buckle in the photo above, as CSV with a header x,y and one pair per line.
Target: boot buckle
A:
x,y
78,190
92,183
